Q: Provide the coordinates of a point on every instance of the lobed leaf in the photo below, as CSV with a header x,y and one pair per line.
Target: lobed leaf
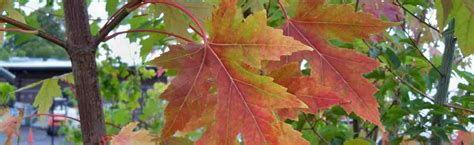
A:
x,y
316,96
127,136
10,126
381,8
336,68
220,75
44,98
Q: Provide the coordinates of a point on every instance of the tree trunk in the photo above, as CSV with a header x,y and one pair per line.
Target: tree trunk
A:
x,y
443,83
82,49
90,104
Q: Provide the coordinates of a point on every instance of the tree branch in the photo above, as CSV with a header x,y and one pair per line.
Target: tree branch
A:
x,y
443,82
185,11
416,17
146,30
313,129
18,30
399,79
40,33
421,53
69,117
116,18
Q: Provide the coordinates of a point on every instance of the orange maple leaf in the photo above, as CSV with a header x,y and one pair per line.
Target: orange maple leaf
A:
x,y
339,69
217,82
10,126
464,137
316,96
127,136
290,136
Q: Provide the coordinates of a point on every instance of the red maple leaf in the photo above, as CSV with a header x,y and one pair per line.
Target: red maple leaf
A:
x,y
316,96
339,69
217,82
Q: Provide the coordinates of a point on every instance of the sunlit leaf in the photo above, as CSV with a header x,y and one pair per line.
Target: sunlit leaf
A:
x,y
127,136
339,69
220,76
44,98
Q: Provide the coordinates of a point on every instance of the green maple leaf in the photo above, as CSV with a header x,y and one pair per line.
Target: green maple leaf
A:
x,y
44,98
464,24
176,22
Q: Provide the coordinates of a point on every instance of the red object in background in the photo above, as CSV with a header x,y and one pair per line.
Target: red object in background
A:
x,y
30,136
57,120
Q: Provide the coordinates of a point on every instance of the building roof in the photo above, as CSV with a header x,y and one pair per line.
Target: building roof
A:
x,y
25,62
6,75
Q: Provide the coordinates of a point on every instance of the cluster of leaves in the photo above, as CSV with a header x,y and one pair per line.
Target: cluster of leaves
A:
x,y
125,99
45,18
226,62
229,96
7,93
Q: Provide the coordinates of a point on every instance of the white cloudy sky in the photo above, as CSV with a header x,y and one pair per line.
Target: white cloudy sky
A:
x,y
129,52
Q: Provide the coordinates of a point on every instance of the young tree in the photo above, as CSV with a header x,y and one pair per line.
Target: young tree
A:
x,y
270,71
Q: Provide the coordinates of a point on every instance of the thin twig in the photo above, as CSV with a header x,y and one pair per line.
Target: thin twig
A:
x,y
458,107
313,129
397,3
40,33
149,31
426,96
421,92
357,5
68,117
283,9
202,31
421,53
196,31
116,18
18,30
401,80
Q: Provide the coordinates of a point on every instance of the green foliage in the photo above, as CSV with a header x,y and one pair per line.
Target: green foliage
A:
x,y
31,46
7,93
356,142
44,99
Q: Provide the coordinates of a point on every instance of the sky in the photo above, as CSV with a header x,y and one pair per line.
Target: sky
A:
x,y
120,46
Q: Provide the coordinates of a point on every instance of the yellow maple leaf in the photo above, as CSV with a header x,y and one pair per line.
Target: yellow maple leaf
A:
x,y
127,136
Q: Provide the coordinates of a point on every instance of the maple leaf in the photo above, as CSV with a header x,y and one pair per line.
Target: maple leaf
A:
x,y
10,126
127,136
443,10
44,98
464,17
463,12
254,5
357,141
382,8
175,21
464,137
290,136
316,96
339,69
220,75
177,141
